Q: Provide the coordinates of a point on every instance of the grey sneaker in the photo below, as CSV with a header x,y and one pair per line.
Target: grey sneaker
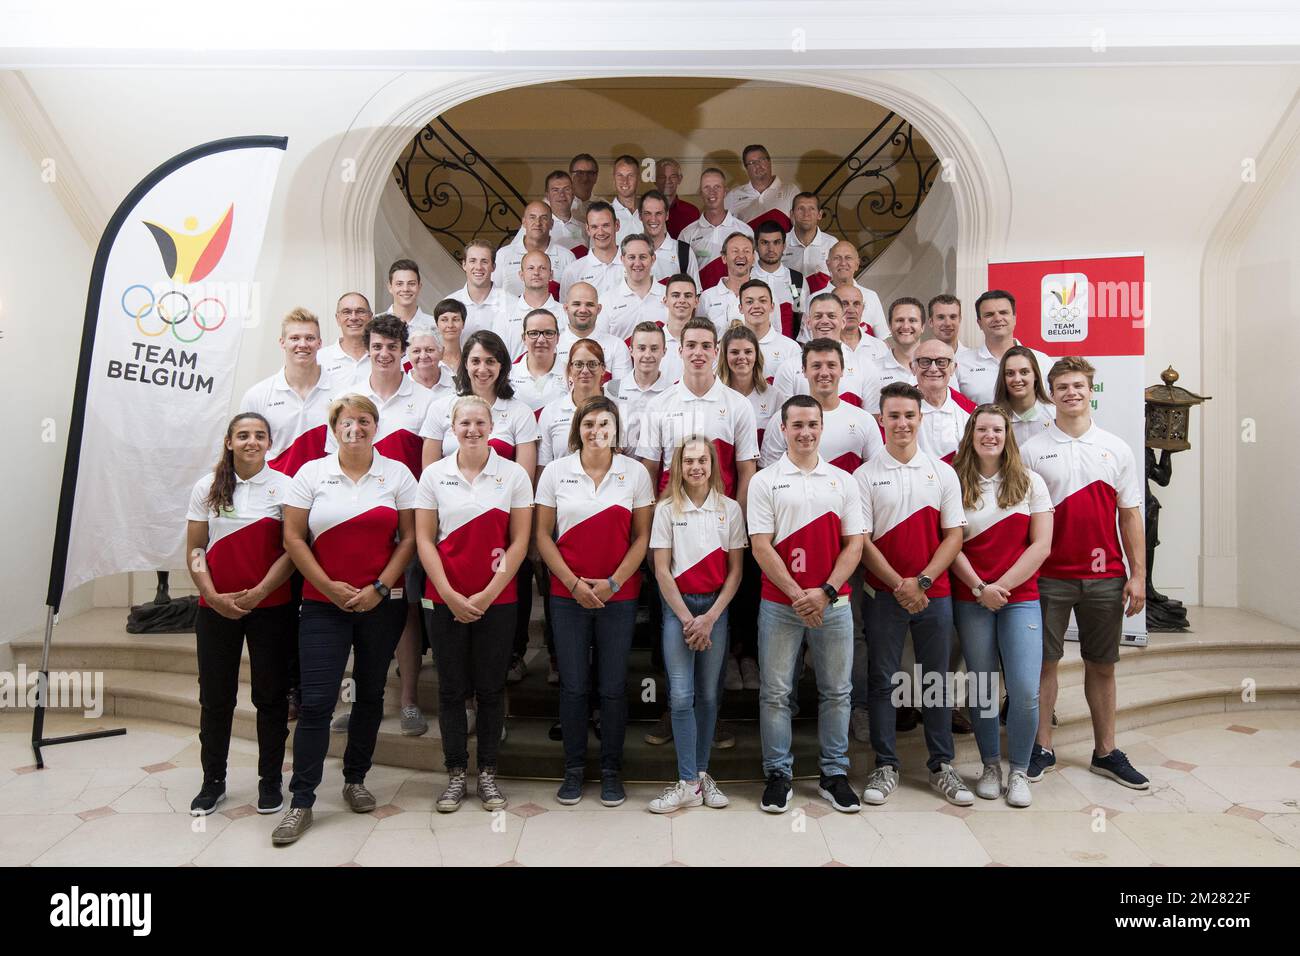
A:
x,y
471,721
681,794
662,731
1018,789
489,793
450,800
358,798
413,722
339,725
860,725
570,791
882,782
713,797
294,824
947,781
723,738
989,786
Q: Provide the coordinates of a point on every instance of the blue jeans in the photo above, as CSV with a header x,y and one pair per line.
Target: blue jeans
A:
x,y
693,685
1015,631
887,627
781,634
325,636
576,628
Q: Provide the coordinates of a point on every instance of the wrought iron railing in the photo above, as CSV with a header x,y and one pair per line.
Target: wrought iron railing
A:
x,y
457,193
877,188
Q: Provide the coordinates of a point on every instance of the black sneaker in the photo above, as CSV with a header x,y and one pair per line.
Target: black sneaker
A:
x,y
612,793
570,791
1040,761
836,789
556,732
269,797
908,718
1116,766
211,796
776,795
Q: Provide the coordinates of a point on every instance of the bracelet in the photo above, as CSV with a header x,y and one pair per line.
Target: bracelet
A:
x,y
574,586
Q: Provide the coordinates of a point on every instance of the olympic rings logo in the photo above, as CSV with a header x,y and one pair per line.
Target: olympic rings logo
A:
x,y
172,310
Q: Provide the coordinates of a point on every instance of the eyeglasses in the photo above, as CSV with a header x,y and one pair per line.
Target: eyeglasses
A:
x,y
541,334
348,313
582,172
590,366
940,363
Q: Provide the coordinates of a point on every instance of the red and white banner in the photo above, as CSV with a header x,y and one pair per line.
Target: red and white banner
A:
x,y
1095,307
171,291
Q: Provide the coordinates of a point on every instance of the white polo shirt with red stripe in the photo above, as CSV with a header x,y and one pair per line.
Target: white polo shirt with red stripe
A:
x,y
629,220
699,537
298,425
513,424
721,414
766,404
858,383
747,202
905,508
480,315
245,539
509,259
786,296
668,264
353,526
632,402
1088,479
338,363
510,322
400,417
706,242
994,538
808,512
622,308
593,525
942,428
538,391
1038,418
777,350
567,233
977,372
553,430
720,306
473,522
590,269
809,259
850,436
618,361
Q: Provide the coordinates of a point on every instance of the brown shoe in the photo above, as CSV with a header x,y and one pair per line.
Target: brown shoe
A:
x,y
907,719
662,731
295,823
358,798
961,723
723,738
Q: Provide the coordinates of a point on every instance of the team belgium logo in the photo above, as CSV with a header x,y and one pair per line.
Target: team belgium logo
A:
x,y
188,256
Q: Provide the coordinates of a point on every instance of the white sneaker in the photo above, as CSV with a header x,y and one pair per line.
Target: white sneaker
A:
x,y
882,782
749,674
471,721
989,786
683,793
339,725
860,725
948,782
732,681
713,797
1018,789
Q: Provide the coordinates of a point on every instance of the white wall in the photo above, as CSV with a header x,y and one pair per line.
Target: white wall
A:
x,y
1268,303
1099,160
922,259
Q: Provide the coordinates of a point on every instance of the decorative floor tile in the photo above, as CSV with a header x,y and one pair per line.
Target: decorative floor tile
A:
x,y
238,813
96,813
1249,814
158,767
1240,729
527,810
1179,765
386,811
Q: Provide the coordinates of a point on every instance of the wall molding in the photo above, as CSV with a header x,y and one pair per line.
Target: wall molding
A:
x,y
1221,426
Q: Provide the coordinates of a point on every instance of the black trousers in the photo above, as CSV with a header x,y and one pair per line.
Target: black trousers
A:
x,y
528,572
472,660
270,633
742,613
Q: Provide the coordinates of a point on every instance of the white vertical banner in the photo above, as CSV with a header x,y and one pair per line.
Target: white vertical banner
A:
x,y
171,291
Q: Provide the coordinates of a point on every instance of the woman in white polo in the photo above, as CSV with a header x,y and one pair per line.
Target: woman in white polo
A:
x,y
349,526
698,539
592,528
237,560
472,520
1020,391
585,374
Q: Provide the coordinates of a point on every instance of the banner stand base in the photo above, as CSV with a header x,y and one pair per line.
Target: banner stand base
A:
x,y
38,716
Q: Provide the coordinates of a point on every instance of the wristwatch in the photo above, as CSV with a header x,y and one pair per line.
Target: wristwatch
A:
x,y
832,592
925,581
382,588
613,585
978,590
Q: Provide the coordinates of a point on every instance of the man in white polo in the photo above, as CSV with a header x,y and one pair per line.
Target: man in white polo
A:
x,y
347,359
535,236
483,299
859,383
943,314
756,308
764,192
567,228
627,173
806,246
977,368
843,261
600,266
680,302
668,179
646,382
583,171
854,336
671,255
535,275
943,421
404,287
720,304
789,290
637,297
708,233
582,308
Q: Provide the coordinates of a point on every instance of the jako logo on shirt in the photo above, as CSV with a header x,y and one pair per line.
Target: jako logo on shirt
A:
x,y
74,909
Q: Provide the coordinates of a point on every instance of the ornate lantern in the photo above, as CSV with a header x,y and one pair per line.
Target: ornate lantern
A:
x,y
1168,412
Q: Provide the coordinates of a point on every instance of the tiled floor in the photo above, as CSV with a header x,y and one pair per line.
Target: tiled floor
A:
x,y
1226,791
